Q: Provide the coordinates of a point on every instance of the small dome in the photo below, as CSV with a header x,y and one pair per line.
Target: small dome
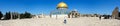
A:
x,y
62,5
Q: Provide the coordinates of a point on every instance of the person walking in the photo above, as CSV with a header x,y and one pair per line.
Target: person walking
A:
x,y
100,17
65,21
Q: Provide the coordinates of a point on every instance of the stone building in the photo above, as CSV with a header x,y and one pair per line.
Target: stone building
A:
x,y
115,13
73,14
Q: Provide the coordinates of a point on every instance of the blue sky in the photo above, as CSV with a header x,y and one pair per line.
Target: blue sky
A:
x,y
45,6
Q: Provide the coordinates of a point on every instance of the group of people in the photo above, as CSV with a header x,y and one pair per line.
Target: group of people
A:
x,y
105,17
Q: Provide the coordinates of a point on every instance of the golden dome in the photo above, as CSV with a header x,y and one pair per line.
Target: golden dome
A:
x,y
62,5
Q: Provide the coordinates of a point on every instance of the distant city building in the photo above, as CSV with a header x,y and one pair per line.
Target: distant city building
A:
x,y
41,16
37,16
89,15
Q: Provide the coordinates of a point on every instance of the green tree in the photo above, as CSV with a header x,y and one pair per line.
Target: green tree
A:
x,y
21,16
7,16
1,15
25,15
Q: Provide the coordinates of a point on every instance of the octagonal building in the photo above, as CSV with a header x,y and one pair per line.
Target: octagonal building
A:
x,y
61,11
